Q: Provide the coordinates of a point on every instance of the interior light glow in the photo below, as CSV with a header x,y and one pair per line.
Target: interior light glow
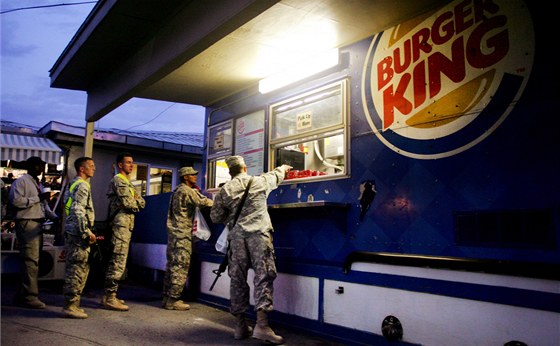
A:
x,y
290,106
320,96
60,166
315,64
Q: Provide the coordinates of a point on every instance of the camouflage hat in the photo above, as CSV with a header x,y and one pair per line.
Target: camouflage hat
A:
x,y
187,171
233,161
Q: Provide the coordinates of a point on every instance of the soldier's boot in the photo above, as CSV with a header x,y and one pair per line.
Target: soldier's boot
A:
x,y
71,310
79,307
104,299
264,332
175,304
242,329
110,302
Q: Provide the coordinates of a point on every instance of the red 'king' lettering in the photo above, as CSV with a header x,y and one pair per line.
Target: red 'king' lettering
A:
x,y
448,25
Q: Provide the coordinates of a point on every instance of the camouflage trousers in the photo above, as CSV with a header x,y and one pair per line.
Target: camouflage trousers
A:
x,y
177,268
77,267
116,267
257,252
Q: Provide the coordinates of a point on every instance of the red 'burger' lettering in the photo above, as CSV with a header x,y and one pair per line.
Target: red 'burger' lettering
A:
x,y
414,70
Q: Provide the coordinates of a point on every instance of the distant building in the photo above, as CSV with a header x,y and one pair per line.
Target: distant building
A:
x,y
157,155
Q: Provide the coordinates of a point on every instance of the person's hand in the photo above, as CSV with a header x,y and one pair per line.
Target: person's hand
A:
x,y
287,167
92,239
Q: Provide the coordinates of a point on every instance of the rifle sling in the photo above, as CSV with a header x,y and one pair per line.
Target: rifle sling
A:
x,y
224,264
242,202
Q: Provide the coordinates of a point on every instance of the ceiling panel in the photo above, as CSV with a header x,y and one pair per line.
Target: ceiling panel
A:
x,y
260,47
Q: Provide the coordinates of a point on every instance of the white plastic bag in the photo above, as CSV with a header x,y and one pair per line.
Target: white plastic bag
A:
x,y
200,227
222,242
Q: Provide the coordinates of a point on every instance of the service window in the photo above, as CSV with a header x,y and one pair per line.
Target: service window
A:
x,y
309,133
220,172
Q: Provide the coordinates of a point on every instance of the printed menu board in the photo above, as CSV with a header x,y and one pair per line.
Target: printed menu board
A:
x,y
219,140
249,141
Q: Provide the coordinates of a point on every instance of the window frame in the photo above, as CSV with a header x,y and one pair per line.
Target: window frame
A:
x,y
149,177
314,134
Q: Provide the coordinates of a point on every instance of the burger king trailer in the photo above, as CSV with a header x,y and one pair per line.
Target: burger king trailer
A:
x,y
423,205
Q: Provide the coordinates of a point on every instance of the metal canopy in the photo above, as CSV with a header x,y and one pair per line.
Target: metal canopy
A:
x,y
203,51
20,148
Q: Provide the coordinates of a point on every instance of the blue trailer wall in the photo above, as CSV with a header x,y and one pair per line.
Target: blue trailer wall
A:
x,y
494,198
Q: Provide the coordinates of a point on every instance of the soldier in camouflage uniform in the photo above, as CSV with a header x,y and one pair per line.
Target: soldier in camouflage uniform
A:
x,y
184,200
124,202
250,245
78,236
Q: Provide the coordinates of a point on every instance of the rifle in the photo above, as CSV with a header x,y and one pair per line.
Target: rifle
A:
x,y
97,252
97,248
225,262
220,270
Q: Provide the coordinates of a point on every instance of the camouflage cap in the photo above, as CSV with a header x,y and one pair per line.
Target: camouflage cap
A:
x,y
233,161
187,171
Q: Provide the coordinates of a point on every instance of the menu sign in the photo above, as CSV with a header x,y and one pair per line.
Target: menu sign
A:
x,y
249,141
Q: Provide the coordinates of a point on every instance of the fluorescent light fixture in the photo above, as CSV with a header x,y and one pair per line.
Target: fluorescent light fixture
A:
x,y
313,65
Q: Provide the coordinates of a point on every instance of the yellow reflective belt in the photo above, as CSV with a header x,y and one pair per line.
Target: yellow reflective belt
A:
x,y
72,188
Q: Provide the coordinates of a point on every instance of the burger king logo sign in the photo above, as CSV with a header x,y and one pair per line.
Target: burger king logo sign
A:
x,y
437,85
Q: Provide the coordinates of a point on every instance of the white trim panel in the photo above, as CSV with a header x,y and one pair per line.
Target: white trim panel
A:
x,y
543,285
430,319
294,295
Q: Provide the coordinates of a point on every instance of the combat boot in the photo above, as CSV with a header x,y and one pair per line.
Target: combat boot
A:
x,y
110,302
104,299
79,307
71,310
264,332
33,303
242,329
175,304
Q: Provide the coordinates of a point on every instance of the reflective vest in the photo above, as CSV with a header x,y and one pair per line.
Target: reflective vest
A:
x,y
132,191
72,188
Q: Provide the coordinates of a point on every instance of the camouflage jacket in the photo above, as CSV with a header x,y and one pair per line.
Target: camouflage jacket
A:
x,y
182,206
254,215
123,197
80,217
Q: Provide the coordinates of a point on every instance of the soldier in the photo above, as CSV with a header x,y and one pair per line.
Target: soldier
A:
x,y
124,202
250,245
78,231
185,199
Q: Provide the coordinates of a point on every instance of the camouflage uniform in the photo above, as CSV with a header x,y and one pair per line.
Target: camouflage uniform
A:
x,y
123,203
180,214
250,240
78,229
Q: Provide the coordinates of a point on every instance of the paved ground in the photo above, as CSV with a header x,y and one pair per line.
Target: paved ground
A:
x,y
145,324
